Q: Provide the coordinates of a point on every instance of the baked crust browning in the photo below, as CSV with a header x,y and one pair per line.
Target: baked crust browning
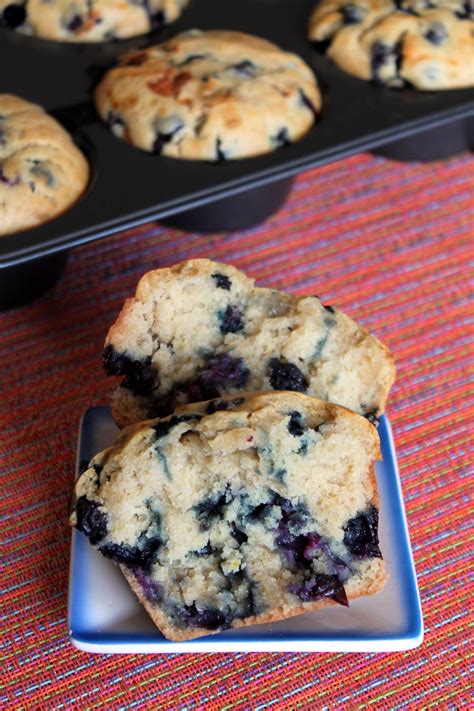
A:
x,y
212,96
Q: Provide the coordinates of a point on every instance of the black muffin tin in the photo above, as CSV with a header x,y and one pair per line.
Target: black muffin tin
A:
x,y
129,187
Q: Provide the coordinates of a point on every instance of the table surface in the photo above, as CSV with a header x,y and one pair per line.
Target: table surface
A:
x,y
388,243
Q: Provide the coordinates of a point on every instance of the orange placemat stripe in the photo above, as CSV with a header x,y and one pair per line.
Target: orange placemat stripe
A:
x,y
390,243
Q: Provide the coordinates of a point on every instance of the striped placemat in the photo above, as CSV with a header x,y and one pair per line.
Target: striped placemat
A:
x,y
390,243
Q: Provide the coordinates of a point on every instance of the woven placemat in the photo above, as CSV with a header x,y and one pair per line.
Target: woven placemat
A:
x,y
390,244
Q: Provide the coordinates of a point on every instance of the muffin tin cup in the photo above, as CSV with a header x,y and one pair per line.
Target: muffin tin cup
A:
x,y
436,144
130,187
25,282
239,212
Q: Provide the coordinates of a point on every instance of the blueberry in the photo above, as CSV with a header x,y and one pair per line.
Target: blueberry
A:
x,y
293,514
299,549
204,551
157,19
295,426
166,130
352,14
291,545
383,54
467,12
74,23
223,370
286,376
42,173
158,143
361,534
152,589
437,33
320,586
282,138
218,405
210,509
141,377
239,536
222,281
163,428
231,320
209,618
260,512
114,363
380,55
220,155
299,552
191,58
143,553
132,556
316,546
245,68
91,519
306,102
14,15
10,182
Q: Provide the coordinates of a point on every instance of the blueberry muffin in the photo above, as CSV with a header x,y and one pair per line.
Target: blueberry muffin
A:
x,y
42,173
426,44
201,329
88,20
210,96
238,511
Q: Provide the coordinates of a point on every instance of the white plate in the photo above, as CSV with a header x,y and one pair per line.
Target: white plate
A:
x,y
105,616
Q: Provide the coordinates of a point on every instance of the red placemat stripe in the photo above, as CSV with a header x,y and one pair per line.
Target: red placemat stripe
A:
x,y
392,244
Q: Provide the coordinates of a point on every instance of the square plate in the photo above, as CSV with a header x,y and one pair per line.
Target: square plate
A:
x,y
105,616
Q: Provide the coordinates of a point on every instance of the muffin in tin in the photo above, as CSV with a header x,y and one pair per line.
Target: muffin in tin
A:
x,y
88,20
42,172
426,44
212,96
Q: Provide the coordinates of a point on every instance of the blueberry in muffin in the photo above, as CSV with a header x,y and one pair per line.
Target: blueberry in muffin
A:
x,y
426,44
212,96
88,20
242,338
238,511
42,172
